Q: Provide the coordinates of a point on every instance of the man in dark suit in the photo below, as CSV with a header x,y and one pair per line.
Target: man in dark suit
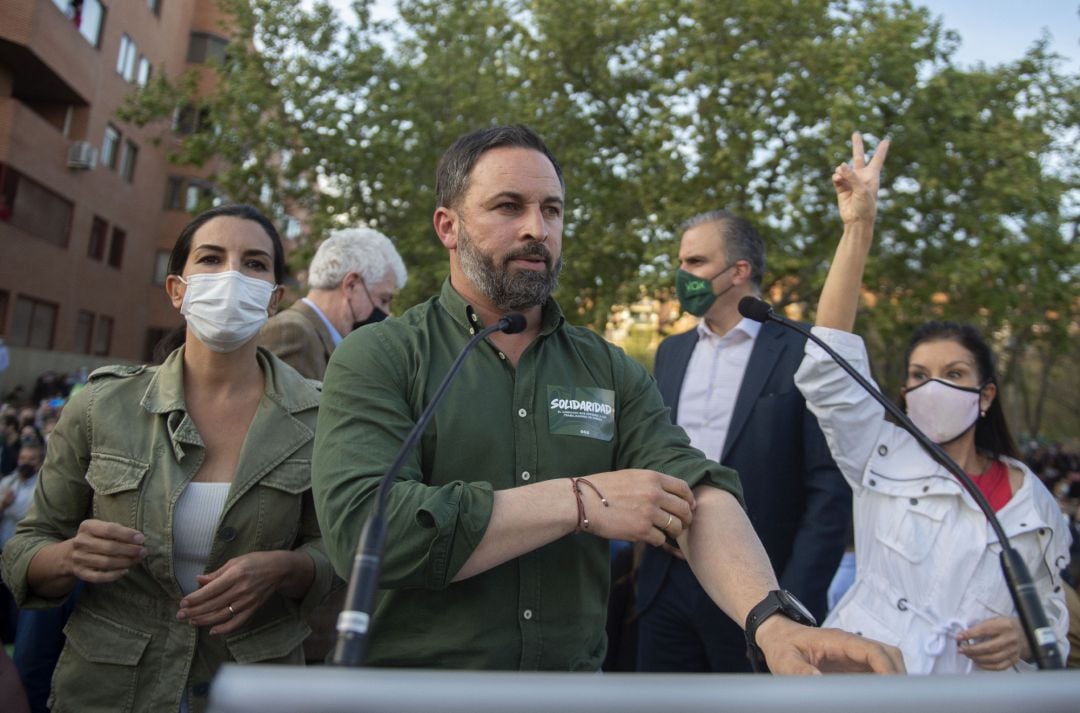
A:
x,y
729,384
352,278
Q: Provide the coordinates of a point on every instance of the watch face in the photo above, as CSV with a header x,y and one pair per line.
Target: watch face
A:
x,y
790,602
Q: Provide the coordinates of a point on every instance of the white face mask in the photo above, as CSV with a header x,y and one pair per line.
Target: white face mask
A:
x,y
941,410
225,309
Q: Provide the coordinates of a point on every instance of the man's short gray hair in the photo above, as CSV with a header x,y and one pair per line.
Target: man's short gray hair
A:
x,y
741,240
362,250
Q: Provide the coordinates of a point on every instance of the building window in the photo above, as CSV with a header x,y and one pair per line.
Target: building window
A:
x,y
99,231
84,330
189,119
127,161
205,47
161,266
109,146
142,76
189,194
87,15
126,58
35,209
116,247
103,336
34,323
155,6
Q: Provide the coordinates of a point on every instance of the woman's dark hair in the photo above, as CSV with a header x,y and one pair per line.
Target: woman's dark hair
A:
x,y
182,248
992,432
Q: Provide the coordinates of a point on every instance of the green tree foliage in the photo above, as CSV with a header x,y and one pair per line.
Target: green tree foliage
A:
x,y
660,109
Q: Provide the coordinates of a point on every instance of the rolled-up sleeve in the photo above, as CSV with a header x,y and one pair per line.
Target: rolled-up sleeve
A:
x,y
372,396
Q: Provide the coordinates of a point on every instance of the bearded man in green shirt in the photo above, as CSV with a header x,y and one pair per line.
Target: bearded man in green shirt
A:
x,y
495,558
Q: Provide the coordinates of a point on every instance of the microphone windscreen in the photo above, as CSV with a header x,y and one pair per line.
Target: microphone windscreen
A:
x,y
513,323
753,308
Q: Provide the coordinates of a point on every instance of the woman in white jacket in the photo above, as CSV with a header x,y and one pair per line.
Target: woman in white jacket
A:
x,y
928,578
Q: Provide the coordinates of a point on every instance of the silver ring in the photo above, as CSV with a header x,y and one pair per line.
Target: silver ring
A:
x,y
667,524
232,612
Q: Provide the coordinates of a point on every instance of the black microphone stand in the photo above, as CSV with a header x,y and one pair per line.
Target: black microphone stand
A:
x,y
1040,634
354,622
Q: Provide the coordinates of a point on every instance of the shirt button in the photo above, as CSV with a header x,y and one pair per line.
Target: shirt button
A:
x,y
472,330
914,501
227,533
925,488
527,614
525,475
873,482
522,412
502,356
882,450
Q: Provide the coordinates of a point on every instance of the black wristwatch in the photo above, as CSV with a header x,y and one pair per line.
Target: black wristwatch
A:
x,y
778,601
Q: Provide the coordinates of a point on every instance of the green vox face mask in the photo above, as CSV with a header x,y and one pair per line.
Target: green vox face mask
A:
x,y
695,293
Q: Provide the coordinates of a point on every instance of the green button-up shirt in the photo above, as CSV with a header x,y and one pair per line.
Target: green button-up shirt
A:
x,y
575,405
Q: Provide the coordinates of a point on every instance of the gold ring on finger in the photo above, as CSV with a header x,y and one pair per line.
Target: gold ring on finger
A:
x,y
667,524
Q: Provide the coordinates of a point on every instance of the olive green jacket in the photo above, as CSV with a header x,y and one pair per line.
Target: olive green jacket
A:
x,y
123,451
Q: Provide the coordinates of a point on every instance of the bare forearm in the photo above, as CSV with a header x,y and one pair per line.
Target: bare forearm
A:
x,y
523,519
840,295
726,555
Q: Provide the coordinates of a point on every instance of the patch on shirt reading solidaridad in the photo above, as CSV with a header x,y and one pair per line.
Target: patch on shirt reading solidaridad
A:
x,y
581,411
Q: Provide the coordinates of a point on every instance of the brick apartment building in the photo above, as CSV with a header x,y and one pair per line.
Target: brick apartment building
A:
x,y
89,206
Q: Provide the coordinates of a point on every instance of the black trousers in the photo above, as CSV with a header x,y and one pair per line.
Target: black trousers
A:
x,y
682,631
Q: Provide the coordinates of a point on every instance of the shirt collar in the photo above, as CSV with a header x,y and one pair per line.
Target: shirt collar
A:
x,y
551,315
293,392
747,327
334,334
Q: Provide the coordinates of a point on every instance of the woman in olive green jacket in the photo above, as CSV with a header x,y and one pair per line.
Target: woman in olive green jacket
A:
x,y
181,495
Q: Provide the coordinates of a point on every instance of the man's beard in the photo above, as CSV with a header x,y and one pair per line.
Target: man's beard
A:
x,y
509,290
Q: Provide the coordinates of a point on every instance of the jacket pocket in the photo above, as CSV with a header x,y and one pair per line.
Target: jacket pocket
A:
x,y
291,476
279,640
281,495
116,482
914,528
99,665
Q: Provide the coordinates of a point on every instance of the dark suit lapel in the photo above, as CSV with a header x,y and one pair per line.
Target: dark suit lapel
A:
x,y
763,357
675,371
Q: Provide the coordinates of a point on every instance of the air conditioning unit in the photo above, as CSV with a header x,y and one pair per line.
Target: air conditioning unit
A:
x,y
82,154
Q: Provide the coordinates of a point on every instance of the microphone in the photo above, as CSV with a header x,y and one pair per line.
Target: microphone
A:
x,y
1040,634
354,621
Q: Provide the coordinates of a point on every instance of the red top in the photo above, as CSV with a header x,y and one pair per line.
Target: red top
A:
x,y
994,484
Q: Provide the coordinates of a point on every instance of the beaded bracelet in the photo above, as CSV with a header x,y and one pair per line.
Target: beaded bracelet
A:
x,y
583,521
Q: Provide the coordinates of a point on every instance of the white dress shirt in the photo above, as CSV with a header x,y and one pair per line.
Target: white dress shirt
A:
x,y
712,382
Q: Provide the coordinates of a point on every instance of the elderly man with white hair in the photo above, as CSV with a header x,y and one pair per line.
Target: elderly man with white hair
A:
x,y
352,281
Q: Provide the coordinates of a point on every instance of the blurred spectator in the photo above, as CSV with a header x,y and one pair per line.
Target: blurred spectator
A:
x,y
16,491
9,443
48,386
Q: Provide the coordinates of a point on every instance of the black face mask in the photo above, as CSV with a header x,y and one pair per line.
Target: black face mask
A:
x,y
377,315
26,470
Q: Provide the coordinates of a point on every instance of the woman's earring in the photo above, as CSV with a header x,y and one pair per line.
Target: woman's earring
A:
x,y
982,414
